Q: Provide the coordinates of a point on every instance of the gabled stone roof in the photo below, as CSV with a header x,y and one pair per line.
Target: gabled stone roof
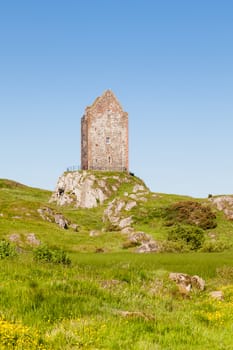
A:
x,y
107,101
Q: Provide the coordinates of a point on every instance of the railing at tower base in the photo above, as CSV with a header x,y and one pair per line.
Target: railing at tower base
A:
x,y
78,167
107,169
73,168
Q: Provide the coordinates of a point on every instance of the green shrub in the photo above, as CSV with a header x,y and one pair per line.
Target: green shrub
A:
x,y
190,213
174,247
192,236
56,256
215,246
6,249
60,257
43,254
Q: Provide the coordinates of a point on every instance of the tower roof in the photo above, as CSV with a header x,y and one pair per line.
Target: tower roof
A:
x,y
107,101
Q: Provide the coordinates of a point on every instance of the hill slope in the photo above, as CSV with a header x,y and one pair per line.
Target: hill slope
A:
x,y
116,300
128,208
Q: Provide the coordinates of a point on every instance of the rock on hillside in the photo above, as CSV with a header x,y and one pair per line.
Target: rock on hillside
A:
x,y
187,283
87,189
119,206
225,204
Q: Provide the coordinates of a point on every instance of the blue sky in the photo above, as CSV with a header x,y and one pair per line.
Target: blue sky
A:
x,y
169,62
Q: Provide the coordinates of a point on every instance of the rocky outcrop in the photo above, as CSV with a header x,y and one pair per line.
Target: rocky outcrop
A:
x,y
50,215
186,283
88,189
148,247
130,205
116,214
224,204
116,211
78,188
85,189
32,239
28,239
139,192
113,214
144,242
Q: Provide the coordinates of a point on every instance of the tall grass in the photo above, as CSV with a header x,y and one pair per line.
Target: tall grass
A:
x,y
82,305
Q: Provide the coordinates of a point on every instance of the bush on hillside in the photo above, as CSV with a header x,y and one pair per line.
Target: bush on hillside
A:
x,y
6,249
215,246
190,213
190,236
174,247
46,254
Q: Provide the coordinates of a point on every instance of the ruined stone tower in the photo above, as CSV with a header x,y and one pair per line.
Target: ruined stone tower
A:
x,y
104,135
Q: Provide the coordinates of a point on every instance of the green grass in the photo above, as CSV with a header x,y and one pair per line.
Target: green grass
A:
x,y
84,305
81,306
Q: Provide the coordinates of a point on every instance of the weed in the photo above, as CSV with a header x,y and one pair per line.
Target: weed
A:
x,y
45,254
6,249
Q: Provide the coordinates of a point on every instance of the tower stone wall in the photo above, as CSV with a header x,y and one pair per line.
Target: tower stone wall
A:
x,y
104,135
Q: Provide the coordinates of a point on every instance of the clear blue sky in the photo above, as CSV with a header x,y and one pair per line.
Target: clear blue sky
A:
x,y
169,62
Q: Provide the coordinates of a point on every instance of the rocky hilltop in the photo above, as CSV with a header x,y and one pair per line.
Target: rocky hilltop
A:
x,y
87,189
127,206
118,191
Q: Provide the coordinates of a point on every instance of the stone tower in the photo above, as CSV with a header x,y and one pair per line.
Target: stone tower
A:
x,y
104,135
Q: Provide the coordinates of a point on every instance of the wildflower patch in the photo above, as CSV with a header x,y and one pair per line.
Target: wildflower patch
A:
x,y
16,336
218,312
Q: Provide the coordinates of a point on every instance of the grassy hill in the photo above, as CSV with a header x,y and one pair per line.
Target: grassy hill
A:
x,y
117,299
19,206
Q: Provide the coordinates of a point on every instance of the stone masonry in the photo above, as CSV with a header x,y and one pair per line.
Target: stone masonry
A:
x,y
104,135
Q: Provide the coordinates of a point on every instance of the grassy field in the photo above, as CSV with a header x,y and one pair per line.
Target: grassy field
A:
x,y
113,300
116,301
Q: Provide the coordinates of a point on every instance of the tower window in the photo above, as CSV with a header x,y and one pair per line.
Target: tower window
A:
x,y
108,140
